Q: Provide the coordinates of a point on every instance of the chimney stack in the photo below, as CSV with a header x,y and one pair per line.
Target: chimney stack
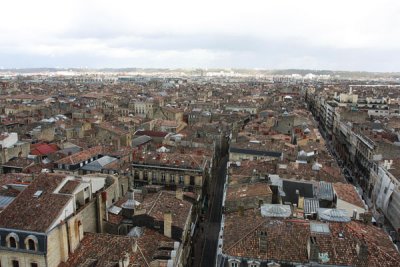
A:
x,y
262,241
168,224
313,249
241,210
128,208
354,214
362,251
179,193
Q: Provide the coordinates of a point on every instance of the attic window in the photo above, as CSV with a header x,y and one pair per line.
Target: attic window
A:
x,y
234,263
12,240
31,243
253,264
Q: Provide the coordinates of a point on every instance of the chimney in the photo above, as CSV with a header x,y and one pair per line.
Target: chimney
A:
x,y
354,217
128,208
241,210
313,249
262,241
362,251
168,224
297,197
179,193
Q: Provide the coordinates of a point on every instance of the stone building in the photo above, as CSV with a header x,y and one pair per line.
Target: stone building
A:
x,y
12,148
172,170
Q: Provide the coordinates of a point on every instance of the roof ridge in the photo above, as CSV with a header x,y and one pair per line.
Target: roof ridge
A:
x,y
145,260
155,202
361,236
250,232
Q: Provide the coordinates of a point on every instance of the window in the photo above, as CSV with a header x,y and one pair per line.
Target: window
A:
x,y
15,263
181,179
145,175
192,180
172,178
12,242
34,264
163,177
31,244
234,264
154,176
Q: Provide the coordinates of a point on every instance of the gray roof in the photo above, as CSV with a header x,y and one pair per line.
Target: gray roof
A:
x,y
276,210
256,152
333,215
143,139
325,191
5,201
320,228
98,164
311,205
290,187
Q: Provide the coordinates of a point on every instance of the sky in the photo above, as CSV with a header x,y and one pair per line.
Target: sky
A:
x,y
265,34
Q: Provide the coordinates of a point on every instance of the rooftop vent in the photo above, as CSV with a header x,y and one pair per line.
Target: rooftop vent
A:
x,y
38,193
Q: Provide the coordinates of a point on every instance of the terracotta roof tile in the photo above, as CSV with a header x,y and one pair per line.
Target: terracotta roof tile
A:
x,y
81,156
348,193
31,213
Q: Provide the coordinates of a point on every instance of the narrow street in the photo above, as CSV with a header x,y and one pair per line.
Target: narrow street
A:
x,y
206,245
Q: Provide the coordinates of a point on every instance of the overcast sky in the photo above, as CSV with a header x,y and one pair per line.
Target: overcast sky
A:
x,y
268,34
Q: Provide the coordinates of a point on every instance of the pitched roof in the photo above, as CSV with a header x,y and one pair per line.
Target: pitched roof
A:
x,y
108,250
81,156
240,191
152,133
102,250
31,213
98,164
348,193
164,201
287,241
43,149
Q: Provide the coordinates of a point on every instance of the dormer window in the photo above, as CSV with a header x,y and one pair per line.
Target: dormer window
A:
x,y
31,243
253,264
234,263
12,240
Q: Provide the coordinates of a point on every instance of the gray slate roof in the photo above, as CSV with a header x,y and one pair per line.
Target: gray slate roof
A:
x,y
141,140
98,164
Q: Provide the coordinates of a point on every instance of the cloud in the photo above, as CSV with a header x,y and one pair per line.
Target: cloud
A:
x,y
354,35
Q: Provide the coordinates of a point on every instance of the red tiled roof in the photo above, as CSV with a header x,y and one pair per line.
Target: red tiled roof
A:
x,y
69,187
81,156
348,193
104,249
43,149
287,241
